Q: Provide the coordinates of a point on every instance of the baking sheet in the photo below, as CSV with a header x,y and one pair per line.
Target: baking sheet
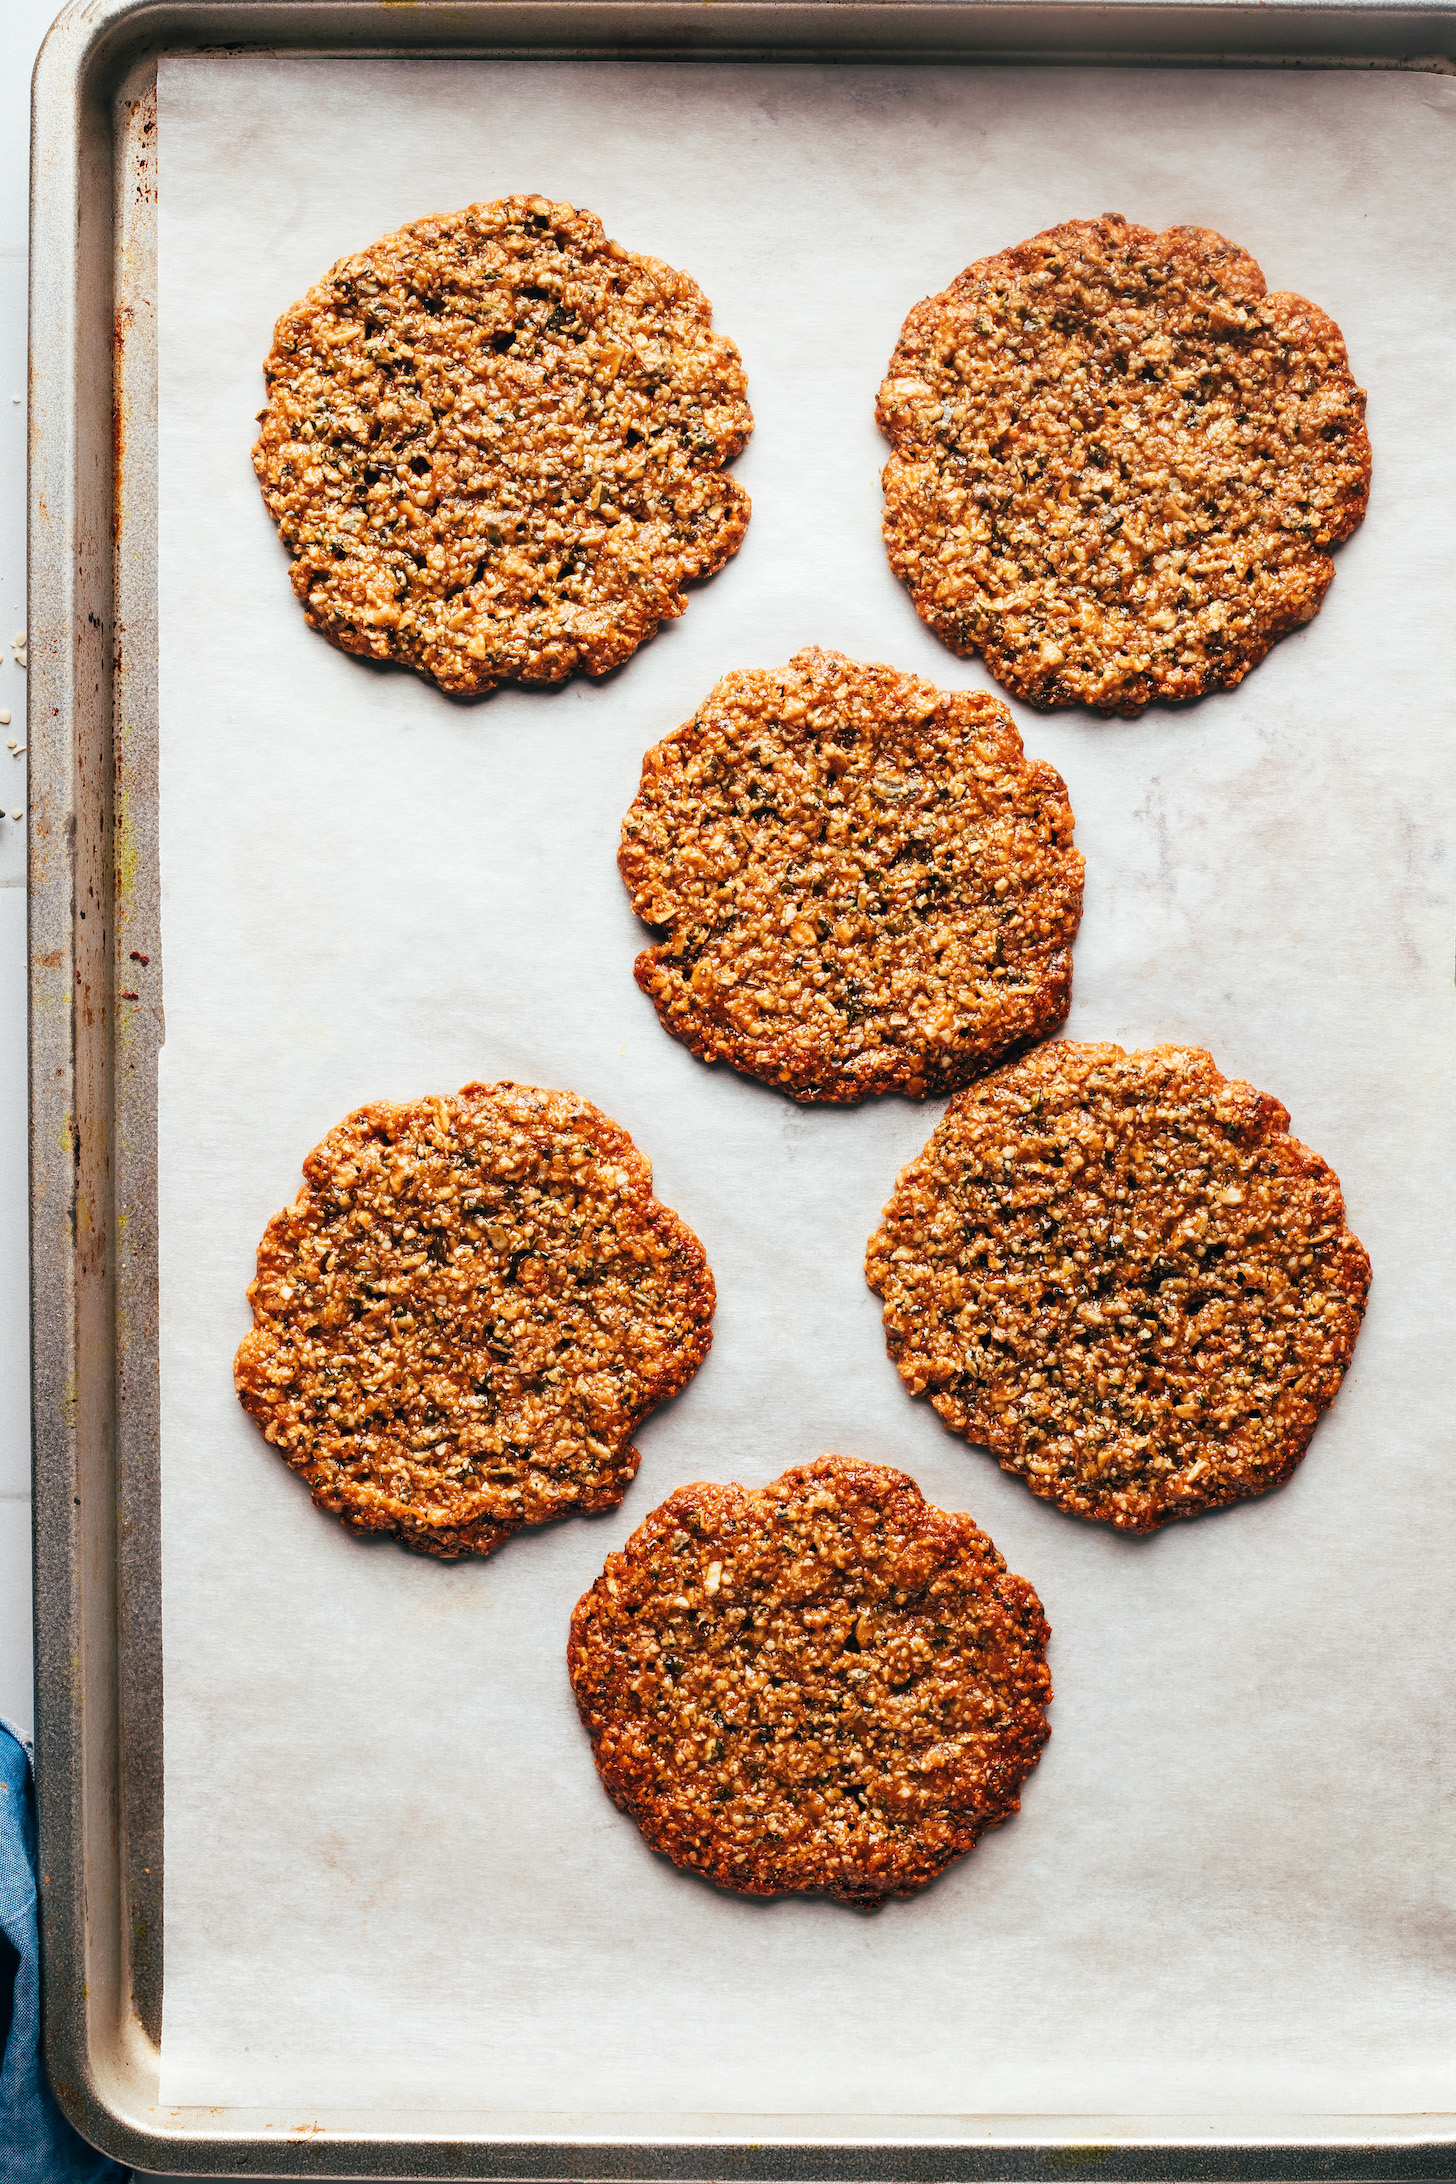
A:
x,y
392,1879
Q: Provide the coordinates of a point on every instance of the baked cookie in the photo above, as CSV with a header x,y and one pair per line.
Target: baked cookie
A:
x,y
861,883
824,1685
1119,466
1124,1276
494,446
466,1312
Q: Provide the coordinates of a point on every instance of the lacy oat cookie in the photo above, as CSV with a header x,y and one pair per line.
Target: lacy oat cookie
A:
x,y
1119,466
494,446
1124,1276
828,1684
466,1312
862,884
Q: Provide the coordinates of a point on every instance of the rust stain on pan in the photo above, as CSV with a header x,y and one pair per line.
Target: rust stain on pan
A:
x,y
121,326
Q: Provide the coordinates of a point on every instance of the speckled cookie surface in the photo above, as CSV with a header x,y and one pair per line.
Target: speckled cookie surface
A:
x,y
1122,1275
827,1684
494,446
1119,465
861,883
466,1312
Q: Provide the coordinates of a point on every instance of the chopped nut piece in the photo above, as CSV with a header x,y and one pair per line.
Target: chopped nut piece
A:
x,y
1102,1252
867,1701
1118,464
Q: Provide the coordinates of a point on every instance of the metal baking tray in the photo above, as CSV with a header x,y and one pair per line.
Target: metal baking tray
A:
x,y
94,868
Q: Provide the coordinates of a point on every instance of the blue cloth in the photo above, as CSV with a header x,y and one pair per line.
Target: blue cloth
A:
x,y
37,2145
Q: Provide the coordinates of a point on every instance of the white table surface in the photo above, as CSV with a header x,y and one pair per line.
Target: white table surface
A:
x,y
23,24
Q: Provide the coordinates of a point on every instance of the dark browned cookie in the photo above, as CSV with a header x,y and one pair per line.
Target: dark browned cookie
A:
x,y
1124,1276
466,1312
861,883
827,1685
494,446
1119,465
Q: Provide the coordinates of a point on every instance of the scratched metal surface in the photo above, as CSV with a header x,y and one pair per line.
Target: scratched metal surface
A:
x,y
95,1029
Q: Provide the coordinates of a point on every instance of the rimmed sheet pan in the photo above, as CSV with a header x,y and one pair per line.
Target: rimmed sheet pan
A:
x,y
404,1934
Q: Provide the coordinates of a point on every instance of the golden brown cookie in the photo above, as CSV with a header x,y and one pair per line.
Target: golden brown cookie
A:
x,y
1124,1276
466,1312
1118,464
494,446
825,1685
861,883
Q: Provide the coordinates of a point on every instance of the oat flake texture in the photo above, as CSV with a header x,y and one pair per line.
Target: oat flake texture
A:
x,y
826,1685
465,1314
861,883
1119,465
1122,1275
494,446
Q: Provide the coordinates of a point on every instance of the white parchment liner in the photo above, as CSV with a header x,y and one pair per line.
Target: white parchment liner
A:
x,y
392,1878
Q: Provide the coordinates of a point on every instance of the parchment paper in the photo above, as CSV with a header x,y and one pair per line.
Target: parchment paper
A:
x,y
393,1881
